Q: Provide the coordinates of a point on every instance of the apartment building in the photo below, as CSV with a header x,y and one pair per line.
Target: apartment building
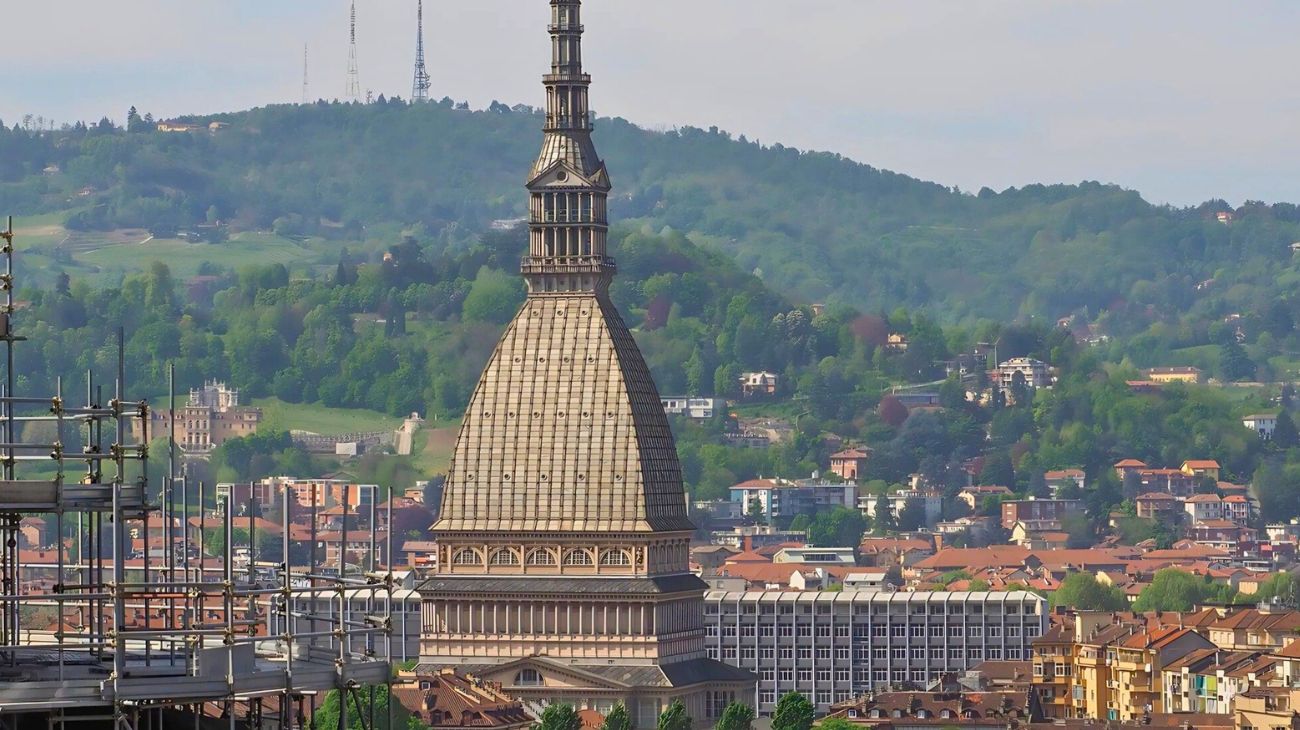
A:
x,y
833,646
1108,667
782,498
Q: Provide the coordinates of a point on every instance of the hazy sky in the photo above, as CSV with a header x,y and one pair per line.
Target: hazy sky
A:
x,y
1183,100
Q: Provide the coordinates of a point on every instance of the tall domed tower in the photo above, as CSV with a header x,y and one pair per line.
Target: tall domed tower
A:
x,y
563,538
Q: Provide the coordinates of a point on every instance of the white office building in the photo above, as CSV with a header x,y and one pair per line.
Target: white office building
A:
x,y
833,646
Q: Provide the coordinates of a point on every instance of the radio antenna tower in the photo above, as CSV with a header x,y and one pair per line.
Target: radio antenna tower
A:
x,y
306,99
420,88
354,76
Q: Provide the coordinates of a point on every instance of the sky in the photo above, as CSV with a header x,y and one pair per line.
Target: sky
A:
x,y
1182,100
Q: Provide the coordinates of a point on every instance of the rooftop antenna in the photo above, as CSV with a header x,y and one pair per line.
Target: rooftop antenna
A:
x,y
305,97
353,92
420,87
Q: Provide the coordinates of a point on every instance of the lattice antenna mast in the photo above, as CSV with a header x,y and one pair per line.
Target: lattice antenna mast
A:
x,y
353,92
420,87
306,98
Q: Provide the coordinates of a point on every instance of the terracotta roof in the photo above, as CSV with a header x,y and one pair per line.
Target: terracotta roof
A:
x,y
853,453
756,484
1200,464
1156,496
1217,524
876,545
450,700
1203,499
1063,474
1291,650
988,489
1130,463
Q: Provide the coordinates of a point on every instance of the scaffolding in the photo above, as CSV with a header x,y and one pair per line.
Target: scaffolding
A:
x,y
152,639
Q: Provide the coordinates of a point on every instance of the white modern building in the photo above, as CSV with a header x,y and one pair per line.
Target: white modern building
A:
x,y
701,409
833,646
1261,423
781,498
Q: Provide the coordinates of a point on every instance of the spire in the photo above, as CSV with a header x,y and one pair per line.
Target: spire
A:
x,y
568,184
305,88
353,92
420,87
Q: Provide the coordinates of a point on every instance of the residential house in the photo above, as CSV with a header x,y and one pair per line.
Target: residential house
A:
x,y
1174,481
850,463
1042,513
1173,375
818,555
1035,374
1250,629
1053,669
896,342
761,383
1061,478
1207,680
1203,507
1267,708
974,496
1239,508
930,504
1205,468
886,552
1123,467
1262,424
1158,506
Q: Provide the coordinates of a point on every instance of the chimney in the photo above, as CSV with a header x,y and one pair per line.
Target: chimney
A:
x,y
748,543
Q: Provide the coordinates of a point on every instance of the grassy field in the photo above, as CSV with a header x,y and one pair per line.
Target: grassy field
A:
x,y
433,447
185,258
321,419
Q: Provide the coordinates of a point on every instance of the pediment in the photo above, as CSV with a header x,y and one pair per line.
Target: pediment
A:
x,y
554,675
560,174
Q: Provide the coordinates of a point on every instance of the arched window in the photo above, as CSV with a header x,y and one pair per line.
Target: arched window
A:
x,y
528,678
467,556
577,557
504,556
615,557
540,556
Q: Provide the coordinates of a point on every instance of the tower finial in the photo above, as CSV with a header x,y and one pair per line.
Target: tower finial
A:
x,y
306,99
568,224
353,92
420,87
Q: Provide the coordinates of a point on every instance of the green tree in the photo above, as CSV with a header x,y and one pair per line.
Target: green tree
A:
x,y
837,723
1175,590
1285,435
883,520
997,470
793,712
559,716
737,716
494,297
756,511
837,527
618,718
1083,592
1234,363
359,708
675,717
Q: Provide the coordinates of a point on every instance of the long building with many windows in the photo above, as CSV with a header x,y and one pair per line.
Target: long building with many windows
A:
x,y
833,646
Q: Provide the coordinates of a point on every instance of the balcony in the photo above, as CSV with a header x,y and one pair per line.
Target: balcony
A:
x,y
566,265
